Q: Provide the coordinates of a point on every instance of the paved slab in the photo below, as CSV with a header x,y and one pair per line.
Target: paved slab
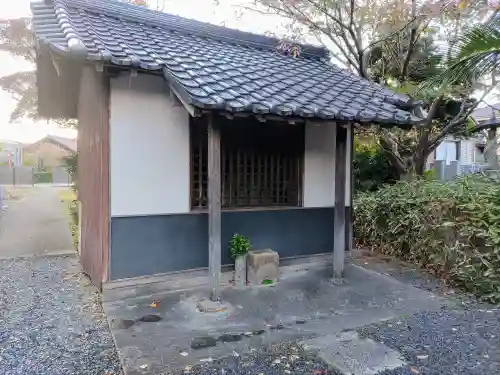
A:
x,y
351,354
304,305
35,225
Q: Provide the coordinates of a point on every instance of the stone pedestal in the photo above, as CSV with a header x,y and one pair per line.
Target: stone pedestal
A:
x,y
240,271
262,265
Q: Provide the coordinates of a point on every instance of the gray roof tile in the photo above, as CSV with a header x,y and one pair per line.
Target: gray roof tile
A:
x,y
214,67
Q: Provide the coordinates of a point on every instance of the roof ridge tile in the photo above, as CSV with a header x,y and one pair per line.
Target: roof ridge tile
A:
x,y
152,18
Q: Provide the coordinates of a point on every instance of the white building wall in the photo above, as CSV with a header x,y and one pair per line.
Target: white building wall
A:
x,y
319,165
149,148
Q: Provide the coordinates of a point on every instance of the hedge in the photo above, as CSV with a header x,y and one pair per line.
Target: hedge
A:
x,y
450,228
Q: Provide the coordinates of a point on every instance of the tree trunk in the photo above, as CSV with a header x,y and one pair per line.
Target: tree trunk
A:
x,y
420,166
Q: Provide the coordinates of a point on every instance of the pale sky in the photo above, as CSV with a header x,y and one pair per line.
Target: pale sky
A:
x,y
24,130
204,10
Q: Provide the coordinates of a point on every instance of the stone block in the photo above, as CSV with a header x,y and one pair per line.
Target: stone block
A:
x,y
208,306
351,354
262,265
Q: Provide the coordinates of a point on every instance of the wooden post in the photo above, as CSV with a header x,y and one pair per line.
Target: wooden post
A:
x,y
350,188
339,244
214,207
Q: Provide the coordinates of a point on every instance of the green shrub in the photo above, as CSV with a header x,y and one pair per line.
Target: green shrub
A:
x,y
371,168
42,177
450,228
238,245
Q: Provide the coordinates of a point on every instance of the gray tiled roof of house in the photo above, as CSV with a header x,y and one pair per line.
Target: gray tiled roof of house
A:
x,y
486,113
212,67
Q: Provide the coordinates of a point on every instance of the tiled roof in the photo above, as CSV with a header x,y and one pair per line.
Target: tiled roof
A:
x,y
212,67
486,113
67,143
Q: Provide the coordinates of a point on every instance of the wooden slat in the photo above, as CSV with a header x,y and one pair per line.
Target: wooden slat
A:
x,y
256,170
340,203
93,173
214,207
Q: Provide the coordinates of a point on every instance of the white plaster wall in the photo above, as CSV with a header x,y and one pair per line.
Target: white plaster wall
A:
x,y
149,148
319,165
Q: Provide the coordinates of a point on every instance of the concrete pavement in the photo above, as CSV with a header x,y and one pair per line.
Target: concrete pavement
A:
x,y
35,225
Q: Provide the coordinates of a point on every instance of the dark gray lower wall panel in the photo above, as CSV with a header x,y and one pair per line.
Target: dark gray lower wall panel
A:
x,y
145,245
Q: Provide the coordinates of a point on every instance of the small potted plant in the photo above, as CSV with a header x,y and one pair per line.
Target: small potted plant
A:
x,y
238,250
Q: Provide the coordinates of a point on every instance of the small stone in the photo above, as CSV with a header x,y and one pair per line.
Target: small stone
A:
x,y
184,354
228,337
203,342
150,318
300,321
122,323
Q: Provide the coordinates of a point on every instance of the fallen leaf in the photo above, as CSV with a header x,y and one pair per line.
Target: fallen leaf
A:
x,y
154,304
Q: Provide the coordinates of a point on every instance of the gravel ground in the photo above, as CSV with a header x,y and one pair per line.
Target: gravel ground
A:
x,y
282,359
408,273
51,320
445,342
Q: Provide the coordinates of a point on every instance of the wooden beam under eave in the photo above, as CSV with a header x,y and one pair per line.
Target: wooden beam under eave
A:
x,y
194,112
214,207
339,241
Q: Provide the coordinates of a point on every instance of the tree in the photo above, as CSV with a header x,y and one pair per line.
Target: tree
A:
x,y
476,54
394,42
16,38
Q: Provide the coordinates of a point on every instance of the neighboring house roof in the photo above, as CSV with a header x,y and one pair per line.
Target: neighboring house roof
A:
x,y
212,67
66,143
486,113
10,145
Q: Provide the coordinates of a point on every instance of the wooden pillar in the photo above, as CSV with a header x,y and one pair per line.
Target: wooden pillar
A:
x,y
339,241
350,188
214,207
